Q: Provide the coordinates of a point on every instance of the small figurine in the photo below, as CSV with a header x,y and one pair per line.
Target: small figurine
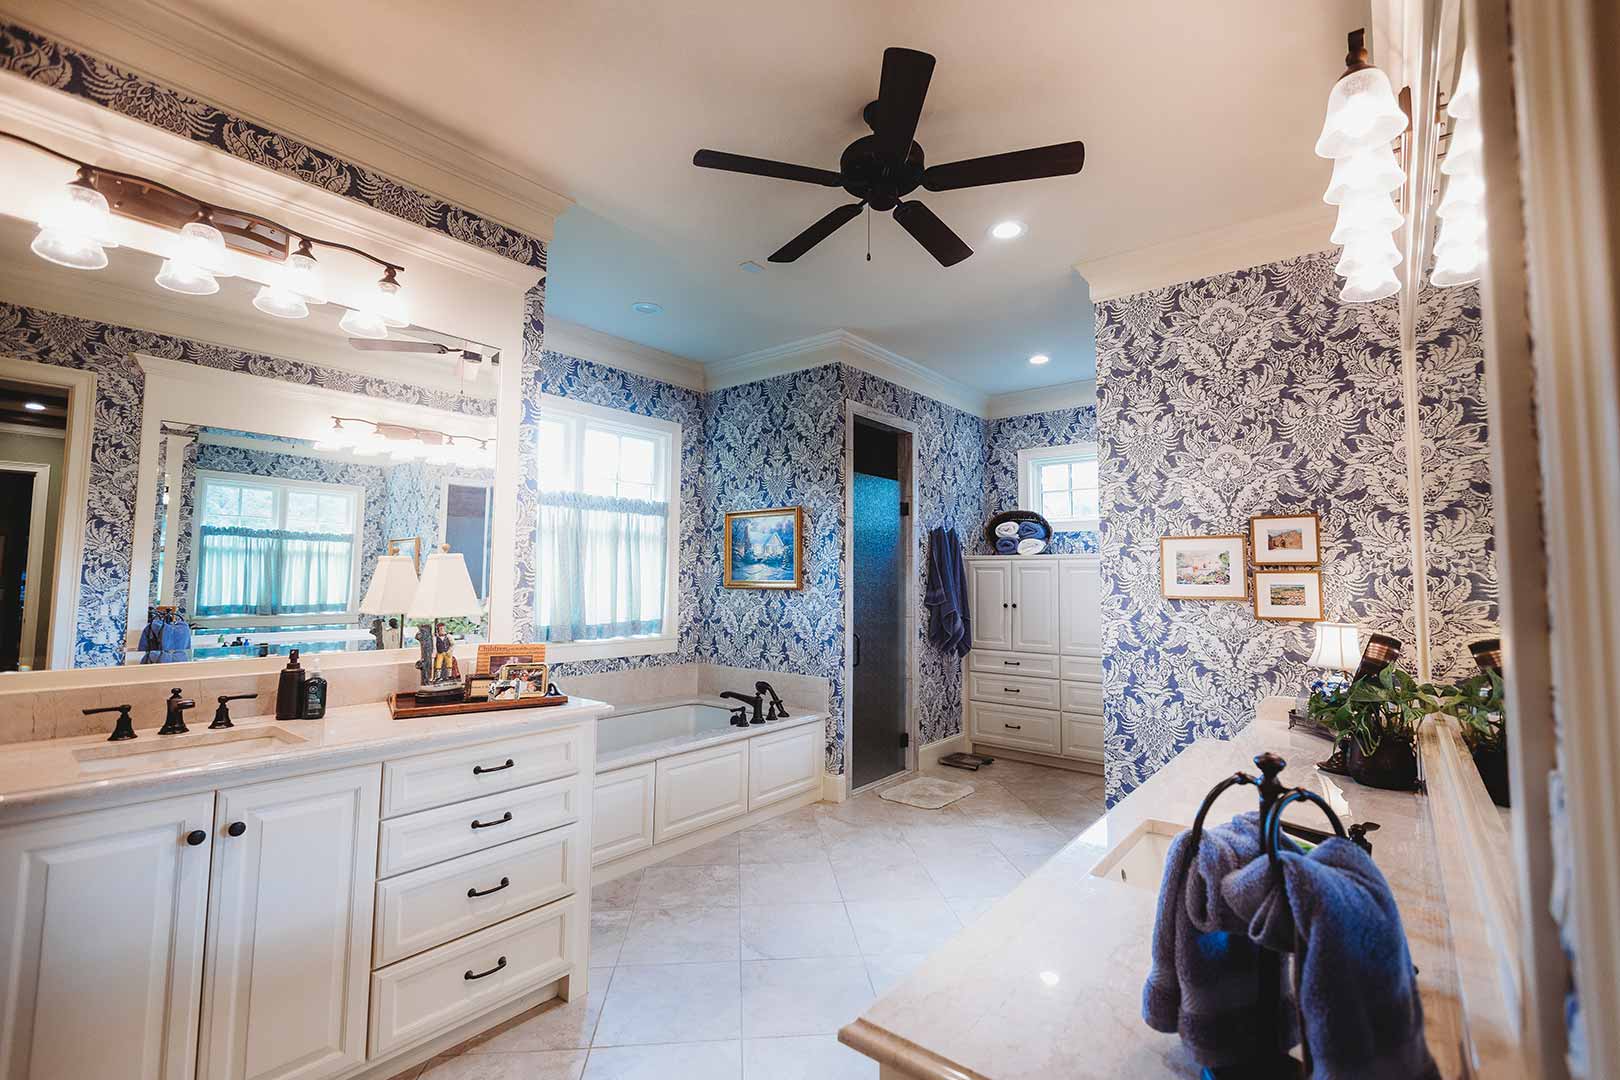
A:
x,y
445,667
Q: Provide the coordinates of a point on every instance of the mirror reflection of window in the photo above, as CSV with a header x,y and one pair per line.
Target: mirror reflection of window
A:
x,y
468,510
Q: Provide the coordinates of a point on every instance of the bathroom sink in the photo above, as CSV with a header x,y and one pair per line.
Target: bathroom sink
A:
x,y
1139,858
151,752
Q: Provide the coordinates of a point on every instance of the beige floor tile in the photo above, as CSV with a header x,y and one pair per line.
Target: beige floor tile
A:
x,y
805,1057
681,886
556,1025
681,935
670,1061
803,997
544,1065
666,1003
794,931
721,852
618,893
789,883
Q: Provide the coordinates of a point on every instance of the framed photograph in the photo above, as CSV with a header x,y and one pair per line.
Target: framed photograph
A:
x,y
765,549
1285,540
522,680
1202,568
491,658
407,545
478,687
1288,595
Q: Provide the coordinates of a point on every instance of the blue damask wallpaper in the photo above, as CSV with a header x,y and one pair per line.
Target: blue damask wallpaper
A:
x,y
1005,437
1258,392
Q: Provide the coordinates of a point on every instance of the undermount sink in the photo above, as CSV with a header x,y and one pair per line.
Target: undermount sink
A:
x,y
149,751
1139,858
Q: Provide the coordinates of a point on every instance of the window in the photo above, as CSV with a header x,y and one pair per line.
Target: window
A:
x,y
1060,483
608,525
268,548
467,512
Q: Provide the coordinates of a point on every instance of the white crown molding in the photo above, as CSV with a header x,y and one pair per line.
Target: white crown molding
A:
x,y
32,432
253,82
572,339
841,346
1218,251
1067,395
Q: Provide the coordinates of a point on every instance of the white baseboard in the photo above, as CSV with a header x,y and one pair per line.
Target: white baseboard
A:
x,y
834,787
929,754
1051,760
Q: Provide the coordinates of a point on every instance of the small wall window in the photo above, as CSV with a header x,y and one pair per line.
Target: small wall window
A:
x,y
1060,483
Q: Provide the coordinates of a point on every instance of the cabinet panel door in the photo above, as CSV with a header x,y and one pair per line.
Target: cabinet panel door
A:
x,y
1035,730
622,813
289,929
1082,607
1035,606
1083,737
990,604
101,950
784,763
696,790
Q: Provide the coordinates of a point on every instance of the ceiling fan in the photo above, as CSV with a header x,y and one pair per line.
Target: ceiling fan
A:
x,y
882,168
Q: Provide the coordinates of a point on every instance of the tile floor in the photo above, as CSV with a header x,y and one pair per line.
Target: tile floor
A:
x,y
741,959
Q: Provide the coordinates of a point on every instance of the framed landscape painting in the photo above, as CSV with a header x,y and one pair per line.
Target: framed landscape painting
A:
x,y
1285,540
765,548
1288,595
1203,568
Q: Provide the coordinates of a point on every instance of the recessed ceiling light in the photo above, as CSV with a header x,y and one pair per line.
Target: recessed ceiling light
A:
x,y
646,307
1039,359
1008,230
33,406
750,266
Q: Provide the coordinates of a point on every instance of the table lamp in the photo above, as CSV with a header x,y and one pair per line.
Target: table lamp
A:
x,y
444,591
392,589
1338,650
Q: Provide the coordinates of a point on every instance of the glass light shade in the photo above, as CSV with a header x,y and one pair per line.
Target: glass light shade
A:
x,y
470,369
1368,257
203,246
76,251
73,228
445,590
1373,286
1366,172
1457,270
388,305
1465,194
363,324
393,585
301,275
1464,103
1460,232
1375,214
1338,647
1361,112
180,276
280,302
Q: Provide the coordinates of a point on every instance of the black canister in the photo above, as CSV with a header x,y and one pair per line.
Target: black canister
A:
x,y
290,690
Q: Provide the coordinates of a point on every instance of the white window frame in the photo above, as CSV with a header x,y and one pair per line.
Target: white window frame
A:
x,y
358,494
1029,463
668,433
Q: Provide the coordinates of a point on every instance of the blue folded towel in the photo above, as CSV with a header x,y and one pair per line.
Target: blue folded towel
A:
x,y
1006,545
1359,997
1031,530
1205,980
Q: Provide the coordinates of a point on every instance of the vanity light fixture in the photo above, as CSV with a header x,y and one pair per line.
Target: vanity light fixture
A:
x,y
406,443
198,261
1459,246
1040,358
1008,230
73,231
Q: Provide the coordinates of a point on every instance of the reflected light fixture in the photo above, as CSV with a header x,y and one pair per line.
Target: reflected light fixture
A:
x,y
646,307
1459,245
1008,230
73,231
34,406
1040,358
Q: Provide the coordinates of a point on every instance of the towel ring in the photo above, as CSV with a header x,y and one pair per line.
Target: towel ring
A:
x,y
1271,826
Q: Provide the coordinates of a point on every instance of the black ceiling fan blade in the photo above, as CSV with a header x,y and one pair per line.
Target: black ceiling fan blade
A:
x,y
816,233
932,233
901,90
1062,159
388,345
753,166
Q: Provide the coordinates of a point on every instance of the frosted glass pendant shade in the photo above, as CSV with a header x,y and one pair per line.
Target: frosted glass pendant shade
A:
x,y
1464,103
1361,112
1366,172
180,276
445,590
73,250
363,324
1364,290
1374,214
1368,257
388,305
197,261
1452,272
280,302
71,231
301,275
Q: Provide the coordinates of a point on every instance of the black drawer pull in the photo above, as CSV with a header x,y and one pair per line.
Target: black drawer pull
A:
x,y
1013,727
485,892
1012,690
471,975
1013,663
195,837
479,770
502,820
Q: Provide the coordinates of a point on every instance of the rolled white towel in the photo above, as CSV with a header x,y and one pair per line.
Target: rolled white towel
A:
x,y
1008,529
1031,546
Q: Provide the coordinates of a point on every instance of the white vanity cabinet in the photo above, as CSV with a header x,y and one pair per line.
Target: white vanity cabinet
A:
x,y
1014,603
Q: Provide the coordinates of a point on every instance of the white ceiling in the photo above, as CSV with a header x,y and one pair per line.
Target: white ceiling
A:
x,y
1195,116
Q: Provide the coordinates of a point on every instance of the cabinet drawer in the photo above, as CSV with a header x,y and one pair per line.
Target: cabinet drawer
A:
x,y
1022,729
1013,690
1084,668
1082,737
784,764
426,994
1083,697
417,783
622,813
432,836
436,904
696,790
1033,665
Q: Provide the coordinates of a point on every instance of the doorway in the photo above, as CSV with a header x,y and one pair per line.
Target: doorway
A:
x,y
880,595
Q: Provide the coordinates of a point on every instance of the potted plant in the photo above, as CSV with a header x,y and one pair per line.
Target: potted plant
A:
x,y
1381,715
1328,710
1476,702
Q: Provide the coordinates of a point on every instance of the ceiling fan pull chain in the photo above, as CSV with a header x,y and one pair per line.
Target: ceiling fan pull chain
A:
x,y
868,234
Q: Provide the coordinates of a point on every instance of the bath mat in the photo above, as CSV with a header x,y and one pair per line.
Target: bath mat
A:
x,y
927,792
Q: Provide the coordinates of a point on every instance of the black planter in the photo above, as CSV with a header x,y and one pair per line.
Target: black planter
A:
x,y
1493,769
1392,767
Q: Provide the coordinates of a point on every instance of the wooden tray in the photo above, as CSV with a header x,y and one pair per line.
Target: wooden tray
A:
x,y
403,706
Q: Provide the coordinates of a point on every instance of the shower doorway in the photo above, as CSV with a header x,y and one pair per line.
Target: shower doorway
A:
x,y
880,603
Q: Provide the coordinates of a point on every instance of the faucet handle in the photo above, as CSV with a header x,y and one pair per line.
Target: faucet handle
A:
x,y
174,722
222,715
123,728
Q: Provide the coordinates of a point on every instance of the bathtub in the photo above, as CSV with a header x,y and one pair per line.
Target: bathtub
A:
x,y
619,733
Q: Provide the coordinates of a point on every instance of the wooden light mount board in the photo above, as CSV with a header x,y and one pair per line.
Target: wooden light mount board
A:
x,y
402,705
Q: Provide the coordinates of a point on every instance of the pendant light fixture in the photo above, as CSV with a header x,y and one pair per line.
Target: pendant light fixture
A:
x,y
73,231
198,261
1459,245
1363,116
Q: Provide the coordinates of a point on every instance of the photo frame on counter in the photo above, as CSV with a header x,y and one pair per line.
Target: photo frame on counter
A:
x,y
1288,595
1285,540
1203,568
491,658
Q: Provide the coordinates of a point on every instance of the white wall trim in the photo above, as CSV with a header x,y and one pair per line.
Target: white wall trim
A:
x,y
573,339
32,432
40,491
1069,395
928,755
1205,254
841,346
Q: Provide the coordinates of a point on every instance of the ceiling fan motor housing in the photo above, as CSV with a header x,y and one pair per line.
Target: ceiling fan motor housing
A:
x,y
877,176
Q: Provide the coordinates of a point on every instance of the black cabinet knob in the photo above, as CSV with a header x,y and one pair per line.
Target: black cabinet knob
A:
x,y
195,837
236,828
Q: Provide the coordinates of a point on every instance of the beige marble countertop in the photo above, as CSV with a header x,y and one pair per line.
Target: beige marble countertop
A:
x,y
1048,982
47,777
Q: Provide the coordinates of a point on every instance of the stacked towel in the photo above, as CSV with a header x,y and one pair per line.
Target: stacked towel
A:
x,y
1006,545
1031,530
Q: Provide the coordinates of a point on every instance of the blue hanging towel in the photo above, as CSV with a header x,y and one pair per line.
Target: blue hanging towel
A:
x,y
949,623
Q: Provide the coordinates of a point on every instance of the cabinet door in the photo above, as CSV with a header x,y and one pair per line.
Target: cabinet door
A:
x,y
622,813
990,604
1035,606
784,763
1082,607
101,942
696,790
289,929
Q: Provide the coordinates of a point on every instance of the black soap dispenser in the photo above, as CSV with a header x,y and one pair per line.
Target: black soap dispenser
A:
x,y
290,689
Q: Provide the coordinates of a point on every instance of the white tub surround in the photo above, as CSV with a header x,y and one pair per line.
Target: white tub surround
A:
x,y
1048,982
421,879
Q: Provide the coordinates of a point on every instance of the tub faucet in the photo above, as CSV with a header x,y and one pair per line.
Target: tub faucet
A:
x,y
757,702
778,710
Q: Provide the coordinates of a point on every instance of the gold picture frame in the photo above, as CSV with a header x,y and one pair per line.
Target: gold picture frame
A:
x,y
491,658
1286,540
763,549
1288,595
1183,560
399,545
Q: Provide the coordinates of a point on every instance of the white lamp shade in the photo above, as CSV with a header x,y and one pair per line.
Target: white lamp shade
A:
x,y
1367,214
393,586
1372,171
1362,112
1338,647
445,590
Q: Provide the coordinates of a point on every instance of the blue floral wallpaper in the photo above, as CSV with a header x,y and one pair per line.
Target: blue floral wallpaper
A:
x,y
1005,437
1258,391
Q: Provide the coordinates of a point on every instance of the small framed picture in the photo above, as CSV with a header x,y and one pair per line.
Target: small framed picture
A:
x,y
478,687
1288,595
1285,540
491,658
765,548
523,680
1202,568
